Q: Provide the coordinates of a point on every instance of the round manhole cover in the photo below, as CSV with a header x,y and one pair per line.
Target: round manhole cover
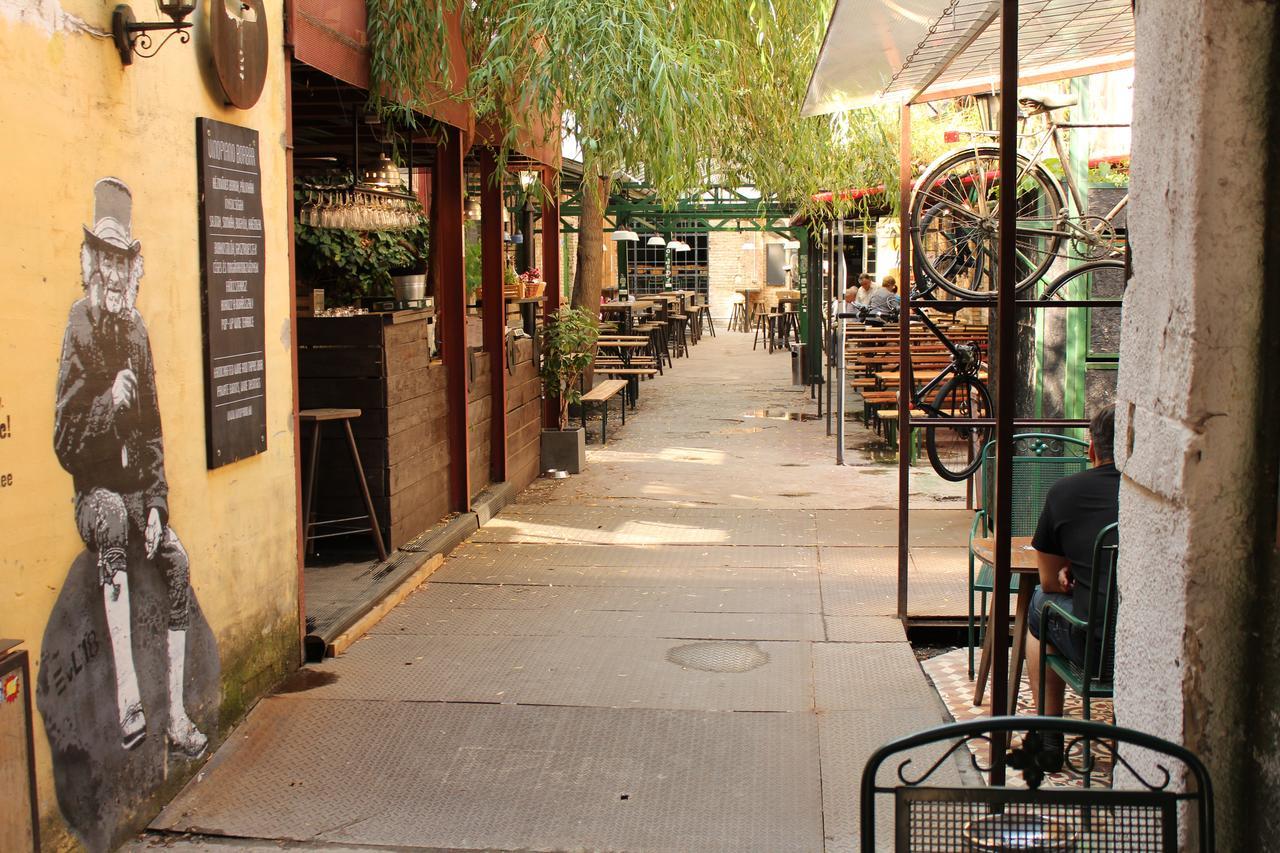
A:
x,y
718,657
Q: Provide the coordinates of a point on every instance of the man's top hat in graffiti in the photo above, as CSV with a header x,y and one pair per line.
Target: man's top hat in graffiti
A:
x,y
112,217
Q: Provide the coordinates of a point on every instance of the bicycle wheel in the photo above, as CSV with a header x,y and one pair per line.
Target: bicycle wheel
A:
x,y
956,452
955,221
1110,272
956,258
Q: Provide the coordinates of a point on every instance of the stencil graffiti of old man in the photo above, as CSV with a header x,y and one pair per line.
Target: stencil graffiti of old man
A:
x,y
107,436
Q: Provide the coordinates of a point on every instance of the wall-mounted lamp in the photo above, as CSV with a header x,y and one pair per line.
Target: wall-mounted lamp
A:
x,y
132,37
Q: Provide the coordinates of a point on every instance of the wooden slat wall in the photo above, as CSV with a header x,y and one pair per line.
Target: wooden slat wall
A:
x,y
383,370
479,413
524,417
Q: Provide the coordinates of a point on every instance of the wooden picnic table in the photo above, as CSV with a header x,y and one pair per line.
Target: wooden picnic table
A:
x,y
1022,559
892,378
629,344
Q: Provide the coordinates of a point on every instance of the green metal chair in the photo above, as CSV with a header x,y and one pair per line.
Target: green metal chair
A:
x,y
1039,461
1092,679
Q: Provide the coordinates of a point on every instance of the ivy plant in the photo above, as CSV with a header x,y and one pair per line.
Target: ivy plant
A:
x,y
349,264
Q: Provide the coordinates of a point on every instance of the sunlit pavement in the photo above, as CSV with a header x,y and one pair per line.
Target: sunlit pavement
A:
x,y
690,646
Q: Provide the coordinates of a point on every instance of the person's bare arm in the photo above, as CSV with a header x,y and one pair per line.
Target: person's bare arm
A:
x,y
1052,569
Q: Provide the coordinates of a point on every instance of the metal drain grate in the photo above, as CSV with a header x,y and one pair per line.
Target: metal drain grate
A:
x,y
719,657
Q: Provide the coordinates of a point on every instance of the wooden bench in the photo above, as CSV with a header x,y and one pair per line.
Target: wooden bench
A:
x,y
600,396
632,375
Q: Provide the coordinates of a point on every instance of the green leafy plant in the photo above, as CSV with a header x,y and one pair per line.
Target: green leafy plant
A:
x,y
349,264
568,347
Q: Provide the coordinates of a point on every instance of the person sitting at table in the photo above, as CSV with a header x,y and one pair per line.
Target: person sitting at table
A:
x,y
1076,509
844,304
864,290
884,297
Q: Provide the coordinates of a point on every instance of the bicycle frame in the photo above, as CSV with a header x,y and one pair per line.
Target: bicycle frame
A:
x,y
1068,226
919,398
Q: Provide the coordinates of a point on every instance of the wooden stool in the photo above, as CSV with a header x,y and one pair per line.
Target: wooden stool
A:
x,y
738,318
318,417
703,313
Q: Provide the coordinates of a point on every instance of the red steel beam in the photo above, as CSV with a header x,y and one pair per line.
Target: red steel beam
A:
x,y
904,358
449,187
1007,362
495,309
551,269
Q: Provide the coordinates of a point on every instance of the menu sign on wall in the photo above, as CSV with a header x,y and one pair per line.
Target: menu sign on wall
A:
x,y
232,277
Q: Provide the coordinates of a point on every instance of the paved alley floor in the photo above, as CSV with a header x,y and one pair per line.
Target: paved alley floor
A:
x,y
688,647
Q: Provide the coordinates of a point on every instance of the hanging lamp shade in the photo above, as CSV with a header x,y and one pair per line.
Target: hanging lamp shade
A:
x,y
471,208
623,235
655,240
678,246
383,174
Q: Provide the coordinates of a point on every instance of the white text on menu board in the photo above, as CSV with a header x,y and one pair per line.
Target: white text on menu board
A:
x,y
235,246
235,253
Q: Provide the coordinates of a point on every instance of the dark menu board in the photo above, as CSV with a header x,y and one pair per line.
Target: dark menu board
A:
x,y
232,276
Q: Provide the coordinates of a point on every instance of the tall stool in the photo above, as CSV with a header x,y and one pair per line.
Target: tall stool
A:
x,y
678,325
738,316
703,312
318,417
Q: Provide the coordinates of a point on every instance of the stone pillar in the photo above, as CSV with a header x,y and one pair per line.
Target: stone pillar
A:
x,y
1189,397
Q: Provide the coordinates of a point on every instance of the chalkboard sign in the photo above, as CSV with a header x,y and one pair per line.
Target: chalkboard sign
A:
x,y
232,279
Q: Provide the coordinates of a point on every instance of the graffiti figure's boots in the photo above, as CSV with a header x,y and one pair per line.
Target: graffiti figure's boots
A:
x,y
183,734
115,595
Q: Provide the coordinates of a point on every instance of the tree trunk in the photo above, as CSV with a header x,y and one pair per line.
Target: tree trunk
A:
x,y
589,268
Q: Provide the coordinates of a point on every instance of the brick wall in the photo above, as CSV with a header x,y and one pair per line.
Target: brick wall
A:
x,y
729,267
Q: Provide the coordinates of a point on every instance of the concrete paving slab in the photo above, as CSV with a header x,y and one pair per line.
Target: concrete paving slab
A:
x,y
725,530
859,560
842,673
592,623
932,527
491,556
848,738
864,629
863,595
568,599
544,573
512,778
948,560
608,672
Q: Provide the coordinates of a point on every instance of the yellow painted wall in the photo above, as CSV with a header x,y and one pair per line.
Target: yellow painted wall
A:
x,y
72,114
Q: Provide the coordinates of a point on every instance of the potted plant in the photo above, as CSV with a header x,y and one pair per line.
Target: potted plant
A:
x,y
568,346
531,283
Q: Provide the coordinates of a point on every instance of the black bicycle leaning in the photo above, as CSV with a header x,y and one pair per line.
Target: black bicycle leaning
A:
x,y
956,392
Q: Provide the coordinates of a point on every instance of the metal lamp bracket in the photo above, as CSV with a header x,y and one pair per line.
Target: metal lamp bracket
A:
x,y
132,38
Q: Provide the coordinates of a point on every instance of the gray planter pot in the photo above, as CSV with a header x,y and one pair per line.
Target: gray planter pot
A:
x,y
564,450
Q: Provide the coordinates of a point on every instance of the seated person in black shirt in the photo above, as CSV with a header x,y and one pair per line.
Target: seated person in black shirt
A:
x,y
1075,511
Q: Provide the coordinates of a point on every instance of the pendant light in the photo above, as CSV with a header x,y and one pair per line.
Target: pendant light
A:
x,y
656,241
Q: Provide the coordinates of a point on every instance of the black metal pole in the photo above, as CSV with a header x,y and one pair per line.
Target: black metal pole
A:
x,y
1006,360
905,380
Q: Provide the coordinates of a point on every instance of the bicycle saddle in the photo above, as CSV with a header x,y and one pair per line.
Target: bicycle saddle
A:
x,y
1045,102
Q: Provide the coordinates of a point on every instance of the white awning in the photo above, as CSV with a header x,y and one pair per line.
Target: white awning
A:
x,y
894,51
